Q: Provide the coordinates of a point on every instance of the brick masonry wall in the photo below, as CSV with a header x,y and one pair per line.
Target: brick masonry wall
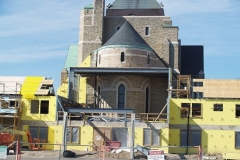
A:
x,y
135,87
133,57
156,36
91,29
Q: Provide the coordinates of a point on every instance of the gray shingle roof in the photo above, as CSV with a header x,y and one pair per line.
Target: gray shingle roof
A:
x,y
135,4
127,36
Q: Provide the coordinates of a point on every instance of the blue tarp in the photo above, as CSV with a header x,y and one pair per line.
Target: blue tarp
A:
x,y
8,111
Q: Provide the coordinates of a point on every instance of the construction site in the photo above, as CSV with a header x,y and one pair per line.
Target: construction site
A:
x,y
129,90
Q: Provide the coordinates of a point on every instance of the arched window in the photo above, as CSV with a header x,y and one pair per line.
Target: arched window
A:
x,y
121,96
148,60
122,57
147,100
146,31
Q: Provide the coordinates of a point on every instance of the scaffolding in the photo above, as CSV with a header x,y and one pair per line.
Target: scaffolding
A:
x,y
183,87
10,102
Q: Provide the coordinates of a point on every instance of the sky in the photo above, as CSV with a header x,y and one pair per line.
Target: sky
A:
x,y
35,34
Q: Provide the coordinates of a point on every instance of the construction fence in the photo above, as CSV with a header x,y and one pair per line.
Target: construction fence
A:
x,y
104,152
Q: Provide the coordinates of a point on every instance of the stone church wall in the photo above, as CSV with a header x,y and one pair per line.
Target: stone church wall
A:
x,y
135,91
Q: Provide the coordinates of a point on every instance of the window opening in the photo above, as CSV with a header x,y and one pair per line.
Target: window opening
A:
x,y
148,61
147,102
44,108
147,31
147,137
151,137
72,135
155,137
39,132
196,110
218,107
122,57
12,104
120,135
198,94
99,97
237,139
237,110
185,109
121,96
34,107
198,84
194,138
118,28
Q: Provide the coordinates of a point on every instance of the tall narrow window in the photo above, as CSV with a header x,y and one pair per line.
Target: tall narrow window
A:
x,y
118,28
72,135
122,57
34,107
148,60
44,108
237,139
99,59
151,137
121,96
147,31
99,97
196,110
147,100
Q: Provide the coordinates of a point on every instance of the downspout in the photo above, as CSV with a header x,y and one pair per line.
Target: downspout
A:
x,y
95,86
169,94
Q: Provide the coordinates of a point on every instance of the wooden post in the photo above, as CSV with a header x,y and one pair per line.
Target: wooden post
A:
x,y
18,151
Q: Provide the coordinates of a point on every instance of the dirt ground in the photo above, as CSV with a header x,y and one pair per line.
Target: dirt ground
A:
x,y
108,155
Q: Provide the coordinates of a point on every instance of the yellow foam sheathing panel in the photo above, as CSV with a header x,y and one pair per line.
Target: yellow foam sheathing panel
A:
x,y
83,84
30,86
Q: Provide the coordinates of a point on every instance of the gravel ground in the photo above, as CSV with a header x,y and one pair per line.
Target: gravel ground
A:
x,y
54,155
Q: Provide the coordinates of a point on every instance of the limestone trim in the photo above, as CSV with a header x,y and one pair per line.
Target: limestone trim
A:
x,y
124,80
125,94
136,55
100,83
126,46
133,89
145,83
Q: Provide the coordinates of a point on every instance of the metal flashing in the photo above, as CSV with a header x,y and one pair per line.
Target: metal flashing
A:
x,y
90,6
98,71
135,4
167,26
127,46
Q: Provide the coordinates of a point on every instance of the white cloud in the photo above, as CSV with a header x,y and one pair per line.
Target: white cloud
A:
x,y
21,54
40,17
179,7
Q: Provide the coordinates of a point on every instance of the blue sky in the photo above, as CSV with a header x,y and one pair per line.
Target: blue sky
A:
x,y
35,34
